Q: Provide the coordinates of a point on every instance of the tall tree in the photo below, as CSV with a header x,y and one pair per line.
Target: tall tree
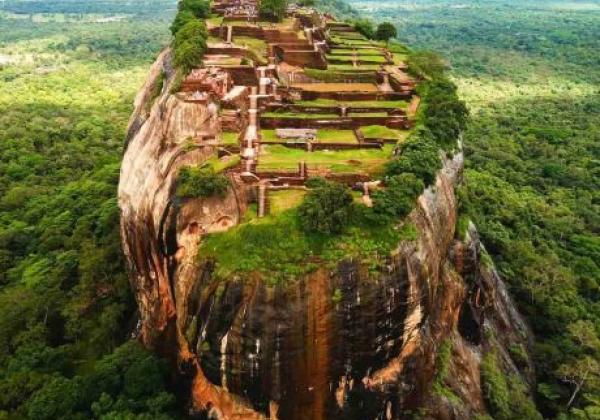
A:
x,y
385,31
273,9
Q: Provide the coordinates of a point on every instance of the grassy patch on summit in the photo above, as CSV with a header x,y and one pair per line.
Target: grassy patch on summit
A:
x,y
277,248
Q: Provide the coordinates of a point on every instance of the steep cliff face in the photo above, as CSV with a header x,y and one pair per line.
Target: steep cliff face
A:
x,y
347,343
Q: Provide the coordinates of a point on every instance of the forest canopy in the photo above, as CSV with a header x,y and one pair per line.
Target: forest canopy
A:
x,y
532,164
67,309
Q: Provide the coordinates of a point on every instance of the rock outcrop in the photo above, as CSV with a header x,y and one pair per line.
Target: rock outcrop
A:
x,y
347,343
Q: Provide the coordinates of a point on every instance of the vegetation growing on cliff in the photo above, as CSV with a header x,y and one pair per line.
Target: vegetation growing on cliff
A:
x,y
189,34
441,119
506,397
326,208
443,359
273,9
279,249
201,183
328,226
66,96
398,199
532,162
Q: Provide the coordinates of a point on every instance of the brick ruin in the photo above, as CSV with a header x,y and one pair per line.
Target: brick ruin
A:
x,y
311,75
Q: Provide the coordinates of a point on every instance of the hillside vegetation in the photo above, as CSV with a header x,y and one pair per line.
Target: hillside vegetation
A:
x,y
69,70
529,71
68,73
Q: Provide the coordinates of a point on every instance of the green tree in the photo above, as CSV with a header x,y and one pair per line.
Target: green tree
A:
x,y
273,9
58,399
129,382
64,292
181,19
420,155
188,55
365,27
193,32
201,183
326,209
189,45
583,370
385,31
199,8
399,196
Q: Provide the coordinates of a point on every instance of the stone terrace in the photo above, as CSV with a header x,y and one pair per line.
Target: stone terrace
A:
x,y
304,97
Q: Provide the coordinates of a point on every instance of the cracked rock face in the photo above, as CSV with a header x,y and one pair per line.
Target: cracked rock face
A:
x,y
248,350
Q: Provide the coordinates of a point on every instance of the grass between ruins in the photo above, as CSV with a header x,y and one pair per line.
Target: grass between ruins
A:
x,y
361,58
280,201
356,104
367,161
297,115
323,136
259,46
229,137
350,67
280,246
382,132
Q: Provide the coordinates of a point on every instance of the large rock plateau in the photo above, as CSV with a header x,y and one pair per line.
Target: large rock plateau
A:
x,y
247,349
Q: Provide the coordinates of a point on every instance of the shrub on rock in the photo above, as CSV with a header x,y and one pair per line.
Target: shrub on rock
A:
x,y
398,199
385,31
365,27
199,8
326,209
420,155
182,17
201,183
273,9
189,45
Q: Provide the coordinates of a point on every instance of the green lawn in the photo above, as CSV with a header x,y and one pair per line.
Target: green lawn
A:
x,y
337,76
368,161
214,20
380,131
400,58
276,247
319,102
351,67
336,136
396,47
325,136
349,35
284,199
359,52
220,165
340,57
230,137
214,40
357,104
257,45
367,114
362,58
350,42
268,136
240,23
297,115
224,61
